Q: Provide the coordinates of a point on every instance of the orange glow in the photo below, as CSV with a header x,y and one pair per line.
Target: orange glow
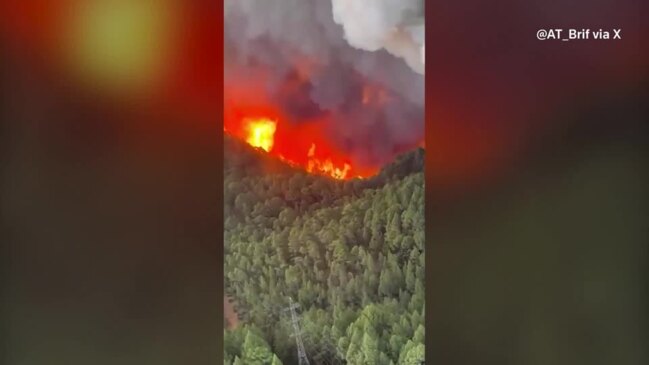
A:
x,y
302,144
374,95
326,167
307,144
261,133
296,146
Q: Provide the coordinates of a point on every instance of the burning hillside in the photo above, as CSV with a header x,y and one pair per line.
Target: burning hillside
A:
x,y
308,86
261,133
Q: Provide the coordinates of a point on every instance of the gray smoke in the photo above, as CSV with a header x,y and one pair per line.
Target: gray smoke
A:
x,y
394,25
373,42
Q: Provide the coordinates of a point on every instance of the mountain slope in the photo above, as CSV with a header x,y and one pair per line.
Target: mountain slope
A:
x,y
349,252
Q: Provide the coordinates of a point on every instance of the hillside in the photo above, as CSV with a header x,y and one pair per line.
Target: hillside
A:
x,y
350,253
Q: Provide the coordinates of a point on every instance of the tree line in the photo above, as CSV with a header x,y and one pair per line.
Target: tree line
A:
x,y
351,253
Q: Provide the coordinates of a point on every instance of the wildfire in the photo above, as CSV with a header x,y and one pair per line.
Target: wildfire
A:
x,y
326,167
261,133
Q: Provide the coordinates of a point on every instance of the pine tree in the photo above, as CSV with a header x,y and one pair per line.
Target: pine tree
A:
x,y
414,354
255,350
351,252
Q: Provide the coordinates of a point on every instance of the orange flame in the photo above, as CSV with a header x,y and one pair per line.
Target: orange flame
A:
x,y
261,133
326,167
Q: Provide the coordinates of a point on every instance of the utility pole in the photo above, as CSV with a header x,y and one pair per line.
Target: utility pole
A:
x,y
301,353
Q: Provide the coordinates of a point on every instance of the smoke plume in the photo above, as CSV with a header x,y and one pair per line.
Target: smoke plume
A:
x,y
355,68
394,25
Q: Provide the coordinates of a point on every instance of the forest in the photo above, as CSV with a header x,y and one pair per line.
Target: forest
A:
x,y
350,253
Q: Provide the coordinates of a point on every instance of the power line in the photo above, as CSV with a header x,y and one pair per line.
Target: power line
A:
x,y
301,353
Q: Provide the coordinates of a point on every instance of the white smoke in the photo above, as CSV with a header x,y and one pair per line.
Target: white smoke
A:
x,y
394,25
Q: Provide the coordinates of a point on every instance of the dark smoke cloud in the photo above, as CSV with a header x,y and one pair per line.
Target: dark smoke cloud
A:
x,y
384,51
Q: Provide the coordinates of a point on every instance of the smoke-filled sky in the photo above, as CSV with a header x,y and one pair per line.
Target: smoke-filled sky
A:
x,y
354,68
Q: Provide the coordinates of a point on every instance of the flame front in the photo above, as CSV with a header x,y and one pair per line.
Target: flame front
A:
x,y
326,167
261,133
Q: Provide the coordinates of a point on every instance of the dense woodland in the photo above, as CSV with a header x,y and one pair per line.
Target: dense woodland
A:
x,y
350,253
